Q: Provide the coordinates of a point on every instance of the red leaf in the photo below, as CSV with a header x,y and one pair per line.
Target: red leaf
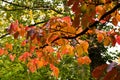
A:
x,y
16,35
111,75
76,21
24,56
98,71
23,43
70,2
118,39
12,57
75,7
67,19
13,27
32,48
1,51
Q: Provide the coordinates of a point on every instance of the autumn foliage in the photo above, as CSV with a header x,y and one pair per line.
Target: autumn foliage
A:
x,y
60,36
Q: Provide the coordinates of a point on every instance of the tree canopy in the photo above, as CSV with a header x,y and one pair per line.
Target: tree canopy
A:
x,y
48,38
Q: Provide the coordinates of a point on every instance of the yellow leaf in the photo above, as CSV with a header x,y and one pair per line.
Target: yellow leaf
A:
x,y
67,49
79,50
85,46
107,41
31,14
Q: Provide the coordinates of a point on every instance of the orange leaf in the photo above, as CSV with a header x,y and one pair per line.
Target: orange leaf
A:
x,y
51,37
61,41
8,46
79,50
107,41
82,48
49,49
100,10
100,37
55,70
39,54
67,49
84,60
85,46
32,48
67,20
22,31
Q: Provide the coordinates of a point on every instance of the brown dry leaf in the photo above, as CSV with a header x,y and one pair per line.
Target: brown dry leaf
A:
x,y
115,21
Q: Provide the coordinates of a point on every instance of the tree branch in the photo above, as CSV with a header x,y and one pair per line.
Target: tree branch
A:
x,y
96,22
33,8
86,29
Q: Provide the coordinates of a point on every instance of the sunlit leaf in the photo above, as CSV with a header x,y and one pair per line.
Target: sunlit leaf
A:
x,y
84,60
100,37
